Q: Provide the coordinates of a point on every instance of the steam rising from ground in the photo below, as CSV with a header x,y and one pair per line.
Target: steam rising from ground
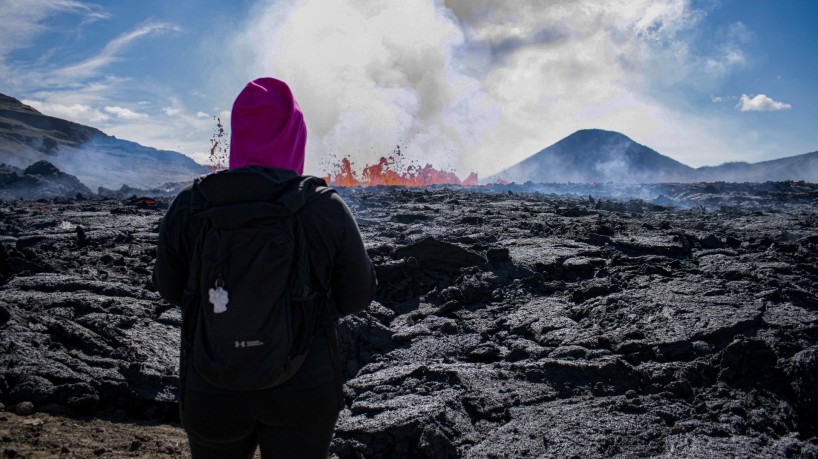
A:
x,y
480,85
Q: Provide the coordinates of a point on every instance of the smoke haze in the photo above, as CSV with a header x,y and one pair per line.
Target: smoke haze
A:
x,y
373,75
480,85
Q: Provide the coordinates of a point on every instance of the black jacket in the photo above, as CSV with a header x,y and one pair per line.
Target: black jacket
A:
x,y
336,250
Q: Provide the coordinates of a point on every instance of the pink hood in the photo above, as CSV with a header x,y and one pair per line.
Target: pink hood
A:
x,y
267,127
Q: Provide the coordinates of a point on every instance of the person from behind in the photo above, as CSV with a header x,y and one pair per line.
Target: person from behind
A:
x,y
262,261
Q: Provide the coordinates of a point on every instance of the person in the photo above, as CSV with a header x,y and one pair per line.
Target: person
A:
x,y
297,417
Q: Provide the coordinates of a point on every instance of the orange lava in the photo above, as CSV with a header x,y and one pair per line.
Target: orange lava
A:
x,y
387,172
219,148
344,175
471,180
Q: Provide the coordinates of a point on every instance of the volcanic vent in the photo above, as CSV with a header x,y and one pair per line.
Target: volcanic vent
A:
x,y
393,170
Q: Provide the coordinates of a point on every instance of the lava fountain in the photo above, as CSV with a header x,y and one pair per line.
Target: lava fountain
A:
x,y
390,171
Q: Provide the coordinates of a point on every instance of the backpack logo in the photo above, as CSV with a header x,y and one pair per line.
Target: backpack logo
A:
x,y
218,297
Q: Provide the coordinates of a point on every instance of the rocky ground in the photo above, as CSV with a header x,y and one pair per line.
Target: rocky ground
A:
x,y
508,323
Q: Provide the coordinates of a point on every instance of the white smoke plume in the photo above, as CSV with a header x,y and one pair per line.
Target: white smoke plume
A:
x,y
373,75
482,84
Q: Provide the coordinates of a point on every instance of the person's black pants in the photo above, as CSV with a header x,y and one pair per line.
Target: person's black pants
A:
x,y
297,424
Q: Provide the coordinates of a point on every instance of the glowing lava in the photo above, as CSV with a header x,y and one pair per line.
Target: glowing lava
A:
x,y
387,172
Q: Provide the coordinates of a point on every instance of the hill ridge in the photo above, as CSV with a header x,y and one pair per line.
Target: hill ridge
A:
x,y
96,158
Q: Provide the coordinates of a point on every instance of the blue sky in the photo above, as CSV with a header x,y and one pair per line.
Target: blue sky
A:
x,y
470,85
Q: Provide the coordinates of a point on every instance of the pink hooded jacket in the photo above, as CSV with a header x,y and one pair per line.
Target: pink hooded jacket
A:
x,y
267,127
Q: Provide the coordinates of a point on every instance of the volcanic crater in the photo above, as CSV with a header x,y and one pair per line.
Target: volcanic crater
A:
x,y
509,321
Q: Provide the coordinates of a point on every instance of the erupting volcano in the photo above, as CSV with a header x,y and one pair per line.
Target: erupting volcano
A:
x,y
387,172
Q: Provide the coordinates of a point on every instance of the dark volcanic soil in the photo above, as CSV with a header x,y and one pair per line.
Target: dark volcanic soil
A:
x,y
507,324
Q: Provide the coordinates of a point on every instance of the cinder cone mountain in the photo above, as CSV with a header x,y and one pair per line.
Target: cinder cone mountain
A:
x,y
594,155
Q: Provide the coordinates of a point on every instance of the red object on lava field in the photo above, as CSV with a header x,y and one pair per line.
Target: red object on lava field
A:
x,y
387,172
142,203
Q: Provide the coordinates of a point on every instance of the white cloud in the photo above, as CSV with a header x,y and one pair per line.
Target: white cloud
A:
x,y
95,16
79,113
22,20
112,50
125,113
760,103
178,131
728,53
202,115
177,135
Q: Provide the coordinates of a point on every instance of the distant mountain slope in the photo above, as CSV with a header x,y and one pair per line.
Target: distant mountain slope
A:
x,y
97,159
800,167
594,155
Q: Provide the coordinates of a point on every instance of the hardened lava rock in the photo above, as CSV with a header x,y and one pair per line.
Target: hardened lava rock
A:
x,y
81,328
528,325
509,321
41,180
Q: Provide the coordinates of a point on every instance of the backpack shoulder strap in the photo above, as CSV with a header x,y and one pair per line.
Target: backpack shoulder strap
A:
x,y
307,189
197,199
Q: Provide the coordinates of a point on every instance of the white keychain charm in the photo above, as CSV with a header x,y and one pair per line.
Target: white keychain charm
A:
x,y
218,297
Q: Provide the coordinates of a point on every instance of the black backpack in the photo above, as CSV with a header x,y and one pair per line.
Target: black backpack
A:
x,y
251,287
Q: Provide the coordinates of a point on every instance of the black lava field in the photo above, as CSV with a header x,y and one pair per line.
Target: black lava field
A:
x,y
509,322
